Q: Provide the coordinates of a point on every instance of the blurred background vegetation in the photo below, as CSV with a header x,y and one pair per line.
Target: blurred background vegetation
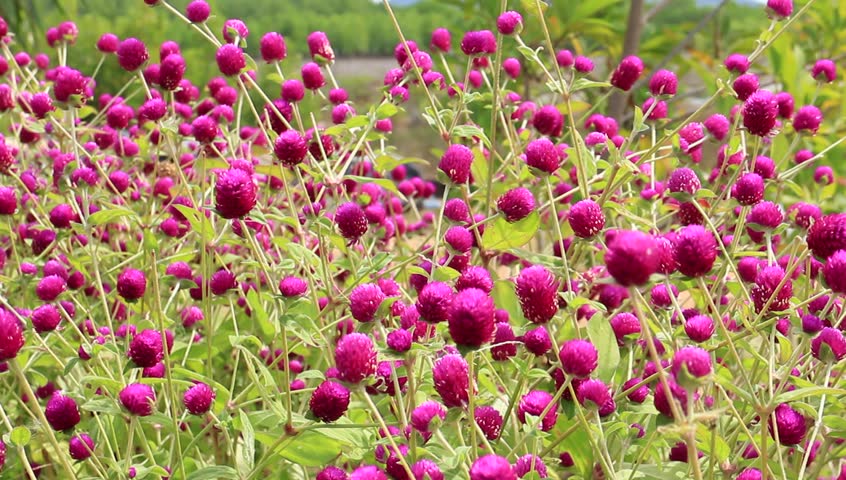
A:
x,y
691,37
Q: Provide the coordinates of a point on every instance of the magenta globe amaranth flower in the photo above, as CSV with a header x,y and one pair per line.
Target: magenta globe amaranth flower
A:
x,y
351,221
749,189
695,251
234,193
509,23
329,401
593,393
537,289
829,345
827,235
433,302
548,120
478,43
11,335
423,414
779,9
824,70
131,284
138,399
451,376
145,349
355,357
579,358
690,364
80,446
290,148
365,300
759,112
627,73
530,463
61,412
492,467
230,59
427,469
455,163
771,289
834,271
516,204
489,421
471,318
132,54
535,403
441,40
543,155
632,257
272,47
198,399
789,427
586,218
197,11
663,82
807,119
320,48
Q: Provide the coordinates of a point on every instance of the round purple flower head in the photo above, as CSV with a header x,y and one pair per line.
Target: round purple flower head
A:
x,y
586,218
509,23
579,358
779,9
765,216
489,421
745,85
365,300
441,40
829,345
320,48
132,54
834,272
290,148
11,336
548,120
131,284
696,251
234,193
62,412
627,73
534,403
827,235
455,163
717,125
471,318
737,63
749,474
759,112
452,380
272,47
530,463
425,468
749,189
197,11
625,324
478,43
663,82
138,398
492,467
632,257
537,341
351,221
824,70
230,59
691,361
516,204
291,286
329,401
423,414
434,301
355,357
543,155
80,446
683,180
332,473
593,393
807,119
146,348
537,290
198,399
789,427
767,287
699,328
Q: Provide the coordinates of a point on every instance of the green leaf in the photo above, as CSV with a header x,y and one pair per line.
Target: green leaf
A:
x,y
199,222
215,472
799,393
585,84
247,454
386,163
480,168
256,305
109,215
20,436
386,110
309,449
603,338
501,235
